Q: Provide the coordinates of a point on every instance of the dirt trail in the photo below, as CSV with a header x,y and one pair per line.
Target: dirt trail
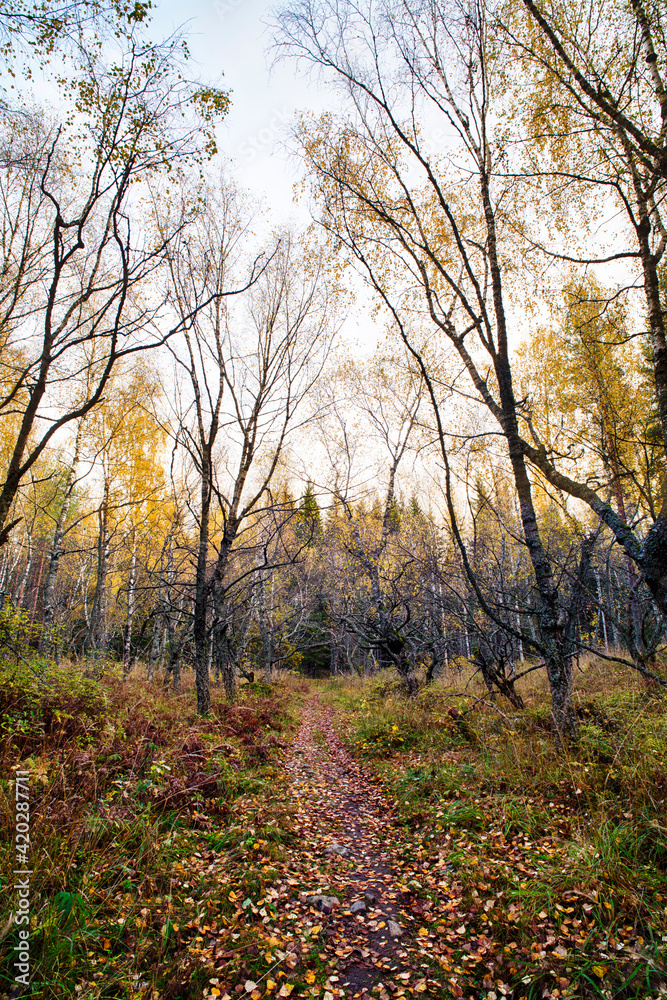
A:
x,y
339,810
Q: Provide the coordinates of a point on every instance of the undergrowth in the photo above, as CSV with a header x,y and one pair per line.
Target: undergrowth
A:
x,y
561,856
150,830
157,837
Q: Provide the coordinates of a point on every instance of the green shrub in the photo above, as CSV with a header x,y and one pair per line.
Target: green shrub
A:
x,y
41,703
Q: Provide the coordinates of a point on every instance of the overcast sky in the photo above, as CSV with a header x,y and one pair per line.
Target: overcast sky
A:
x,y
229,39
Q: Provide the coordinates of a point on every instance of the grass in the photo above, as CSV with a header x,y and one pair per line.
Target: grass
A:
x,y
570,846
147,825
157,838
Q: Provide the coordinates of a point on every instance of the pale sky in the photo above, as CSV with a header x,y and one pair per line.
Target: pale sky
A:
x,y
231,37
228,39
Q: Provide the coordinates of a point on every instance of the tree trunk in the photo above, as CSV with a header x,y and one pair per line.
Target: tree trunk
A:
x,y
227,665
127,645
200,623
159,637
49,606
97,638
558,664
154,653
174,666
20,590
654,561
265,630
601,615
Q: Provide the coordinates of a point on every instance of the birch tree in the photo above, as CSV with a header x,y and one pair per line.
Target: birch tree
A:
x,y
432,226
248,360
76,264
595,126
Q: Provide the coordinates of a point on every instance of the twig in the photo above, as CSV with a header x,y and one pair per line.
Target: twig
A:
x,y
489,704
190,788
6,929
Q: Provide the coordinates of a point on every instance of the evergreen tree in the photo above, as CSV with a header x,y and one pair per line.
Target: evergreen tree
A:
x,y
309,524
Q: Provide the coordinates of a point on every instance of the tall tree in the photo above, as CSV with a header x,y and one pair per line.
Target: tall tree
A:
x,y
400,211
384,397
435,229
247,369
75,257
597,125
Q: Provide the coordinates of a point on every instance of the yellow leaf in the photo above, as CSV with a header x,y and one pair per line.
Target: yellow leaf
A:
x,y
422,932
599,970
232,895
316,929
271,984
310,978
215,992
106,943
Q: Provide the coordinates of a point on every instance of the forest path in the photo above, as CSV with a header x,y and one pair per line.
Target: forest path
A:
x,y
349,847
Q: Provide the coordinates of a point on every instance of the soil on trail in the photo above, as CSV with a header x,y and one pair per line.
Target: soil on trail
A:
x,y
350,845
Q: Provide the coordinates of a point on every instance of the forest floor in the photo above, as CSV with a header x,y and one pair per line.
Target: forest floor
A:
x,y
377,930
334,840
